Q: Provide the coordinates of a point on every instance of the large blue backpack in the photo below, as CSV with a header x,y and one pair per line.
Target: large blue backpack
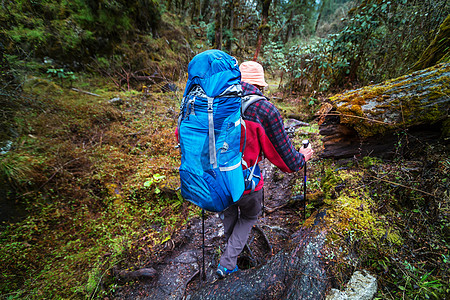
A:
x,y
212,132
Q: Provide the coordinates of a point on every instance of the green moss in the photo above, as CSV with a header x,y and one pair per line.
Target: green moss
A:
x,y
351,211
369,161
328,183
42,86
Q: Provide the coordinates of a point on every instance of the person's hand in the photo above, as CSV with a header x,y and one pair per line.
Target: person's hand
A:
x,y
307,152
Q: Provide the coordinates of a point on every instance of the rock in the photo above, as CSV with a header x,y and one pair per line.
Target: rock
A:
x,y
169,87
297,273
337,295
293,123
141,273
5,147
362,286
116,101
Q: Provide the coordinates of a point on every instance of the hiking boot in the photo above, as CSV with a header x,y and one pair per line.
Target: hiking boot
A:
x,y
222,272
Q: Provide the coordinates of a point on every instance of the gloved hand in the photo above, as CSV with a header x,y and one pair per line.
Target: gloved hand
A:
x,y
307,152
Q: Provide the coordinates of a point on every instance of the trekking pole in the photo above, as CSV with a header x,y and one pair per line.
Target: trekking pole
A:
x,y
203,245
263,208
305,145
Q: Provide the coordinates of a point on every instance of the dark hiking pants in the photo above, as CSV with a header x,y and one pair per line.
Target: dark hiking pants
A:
x,y
238,220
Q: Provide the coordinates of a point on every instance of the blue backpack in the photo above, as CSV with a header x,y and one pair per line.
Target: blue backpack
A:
x,y
212,132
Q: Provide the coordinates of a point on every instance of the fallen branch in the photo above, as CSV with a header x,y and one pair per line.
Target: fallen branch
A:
x,y
252,257
189,281
357,117
265,238
405,186
369,119
84,92
269,210
278,228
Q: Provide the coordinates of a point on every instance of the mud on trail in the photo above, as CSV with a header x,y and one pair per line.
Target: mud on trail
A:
x,y
174,270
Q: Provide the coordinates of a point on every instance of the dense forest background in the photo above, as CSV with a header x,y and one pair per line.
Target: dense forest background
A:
x,y
89,96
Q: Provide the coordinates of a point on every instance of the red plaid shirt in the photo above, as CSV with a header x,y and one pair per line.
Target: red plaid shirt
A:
x,y
265,134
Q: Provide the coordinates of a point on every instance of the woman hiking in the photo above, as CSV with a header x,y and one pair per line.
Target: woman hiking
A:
x,y
265,137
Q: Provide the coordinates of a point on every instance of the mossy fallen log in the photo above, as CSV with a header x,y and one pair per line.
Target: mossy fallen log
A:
x,y
368,120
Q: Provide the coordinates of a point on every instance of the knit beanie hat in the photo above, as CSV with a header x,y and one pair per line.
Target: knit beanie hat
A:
x,y
253,73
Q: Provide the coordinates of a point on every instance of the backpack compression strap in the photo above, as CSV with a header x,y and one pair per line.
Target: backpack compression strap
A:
x,y
212,139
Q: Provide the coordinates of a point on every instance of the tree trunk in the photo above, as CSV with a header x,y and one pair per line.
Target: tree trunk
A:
x,y
369,120
262,27
205,10
218,26
233,5
195,11
438,50
289,28
319,15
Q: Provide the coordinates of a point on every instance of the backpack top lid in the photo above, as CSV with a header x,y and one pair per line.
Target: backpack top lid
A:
x,y
214,71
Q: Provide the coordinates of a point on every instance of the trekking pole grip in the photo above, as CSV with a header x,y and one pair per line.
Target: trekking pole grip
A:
x,y
305,143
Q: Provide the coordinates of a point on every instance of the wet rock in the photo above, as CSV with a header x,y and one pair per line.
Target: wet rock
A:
x,y
170,282
362,286
337,295
169,87
291,125
116,101
295,274
5,147
138,274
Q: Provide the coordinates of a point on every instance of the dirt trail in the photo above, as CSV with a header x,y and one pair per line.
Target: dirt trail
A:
x,y
178,267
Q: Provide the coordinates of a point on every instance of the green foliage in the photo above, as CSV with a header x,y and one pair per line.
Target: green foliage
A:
x,y
311,67
82,178
378,31
155,179
274,59
420,285
369,162
328,183
211,34
380,40
19,169
69,30
294,19
61,74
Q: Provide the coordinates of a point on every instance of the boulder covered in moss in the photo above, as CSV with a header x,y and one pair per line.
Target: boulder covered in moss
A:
x,y
368,120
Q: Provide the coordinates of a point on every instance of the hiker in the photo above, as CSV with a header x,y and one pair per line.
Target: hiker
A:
x,y
265,135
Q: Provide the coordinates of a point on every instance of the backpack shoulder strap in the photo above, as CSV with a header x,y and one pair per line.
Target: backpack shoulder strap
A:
x,y
248,100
